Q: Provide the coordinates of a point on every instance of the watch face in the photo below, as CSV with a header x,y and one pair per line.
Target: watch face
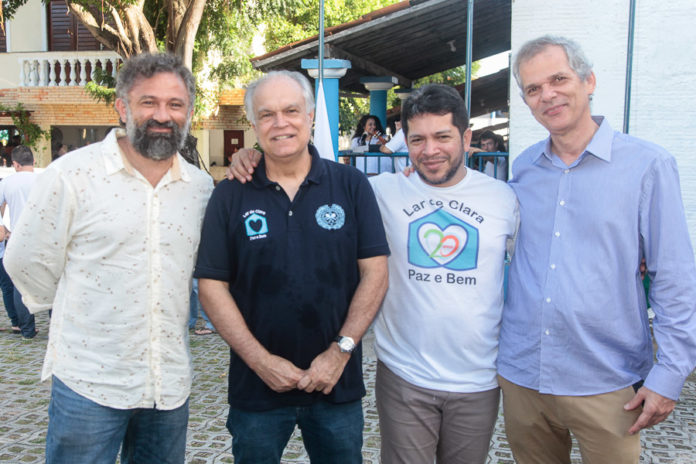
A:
x,y
346,344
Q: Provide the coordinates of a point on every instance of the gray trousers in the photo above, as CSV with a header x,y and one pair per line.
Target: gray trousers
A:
x,y
418,425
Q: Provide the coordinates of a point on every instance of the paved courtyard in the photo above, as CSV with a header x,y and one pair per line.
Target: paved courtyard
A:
x,y
24,403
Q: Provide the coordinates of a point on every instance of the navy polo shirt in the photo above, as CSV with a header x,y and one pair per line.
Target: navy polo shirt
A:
x,y
292,268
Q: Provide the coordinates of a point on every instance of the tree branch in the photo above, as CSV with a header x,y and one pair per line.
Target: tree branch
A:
x,y
186,35
104,33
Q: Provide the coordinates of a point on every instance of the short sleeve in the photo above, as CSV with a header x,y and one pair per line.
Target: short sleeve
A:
x,y
214,251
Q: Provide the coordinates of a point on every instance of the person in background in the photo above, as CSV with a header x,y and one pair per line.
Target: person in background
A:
x,y
14,191
196,308
494,166
397,144
6,284
369,132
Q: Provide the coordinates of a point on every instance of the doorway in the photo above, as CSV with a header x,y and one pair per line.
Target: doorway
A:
x,y
233,140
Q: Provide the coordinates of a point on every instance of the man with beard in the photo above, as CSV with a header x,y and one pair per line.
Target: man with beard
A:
x,y
436,336
108,239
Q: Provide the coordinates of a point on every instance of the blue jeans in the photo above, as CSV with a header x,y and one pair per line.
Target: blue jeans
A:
x,y
7,288
195,306
332,433
25,319
80,430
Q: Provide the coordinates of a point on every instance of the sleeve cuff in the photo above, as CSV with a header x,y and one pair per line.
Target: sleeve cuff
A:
x,y
663,381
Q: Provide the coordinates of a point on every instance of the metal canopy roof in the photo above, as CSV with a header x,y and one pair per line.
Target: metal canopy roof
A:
x,y
408,40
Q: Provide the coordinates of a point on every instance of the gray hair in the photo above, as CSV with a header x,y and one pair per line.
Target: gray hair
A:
x,y
22,155
576,58
301,80
147,65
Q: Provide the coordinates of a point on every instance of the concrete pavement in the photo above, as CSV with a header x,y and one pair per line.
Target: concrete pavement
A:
x,y
24,403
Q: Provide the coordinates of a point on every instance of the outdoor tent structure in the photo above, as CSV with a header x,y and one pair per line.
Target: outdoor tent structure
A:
x,y
410,40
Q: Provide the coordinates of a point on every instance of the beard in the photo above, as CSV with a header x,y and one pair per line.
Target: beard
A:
x,y
157,146
446,177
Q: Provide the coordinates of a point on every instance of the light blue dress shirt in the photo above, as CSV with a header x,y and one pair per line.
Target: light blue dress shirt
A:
x,y
575,319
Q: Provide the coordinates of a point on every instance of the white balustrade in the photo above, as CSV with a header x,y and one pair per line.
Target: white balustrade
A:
x,y
61,68
52,72
73,71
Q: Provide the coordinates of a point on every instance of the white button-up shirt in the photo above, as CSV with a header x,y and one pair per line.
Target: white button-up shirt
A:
x,y
113,256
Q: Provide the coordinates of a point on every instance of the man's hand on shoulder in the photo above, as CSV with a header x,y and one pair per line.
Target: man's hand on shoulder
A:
x,y
325,371
655,409
278,373
243,164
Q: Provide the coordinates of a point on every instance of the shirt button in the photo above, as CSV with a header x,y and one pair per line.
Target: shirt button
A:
x,y
278,188
553,266
562,203
548,300
557,234
290,213
566,171
546,331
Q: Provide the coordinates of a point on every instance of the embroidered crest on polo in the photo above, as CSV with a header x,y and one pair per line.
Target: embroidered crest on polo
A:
x,y
330,217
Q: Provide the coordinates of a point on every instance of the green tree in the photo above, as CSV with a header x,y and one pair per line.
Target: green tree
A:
x,y
129,27
303,21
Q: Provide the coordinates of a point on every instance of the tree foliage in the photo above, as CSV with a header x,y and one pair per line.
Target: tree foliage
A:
x,y
30,132
215,37
129,27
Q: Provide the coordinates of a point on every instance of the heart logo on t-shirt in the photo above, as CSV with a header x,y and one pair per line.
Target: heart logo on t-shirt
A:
x,y
442,245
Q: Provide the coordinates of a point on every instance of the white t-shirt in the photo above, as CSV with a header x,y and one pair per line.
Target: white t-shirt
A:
x,y
397,144
502,171
14,190
374,163
438,326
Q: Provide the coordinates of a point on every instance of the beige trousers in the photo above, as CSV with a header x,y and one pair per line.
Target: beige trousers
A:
x,y
538,426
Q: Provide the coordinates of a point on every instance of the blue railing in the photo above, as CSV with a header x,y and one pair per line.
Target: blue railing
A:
x,y
497,162
375,163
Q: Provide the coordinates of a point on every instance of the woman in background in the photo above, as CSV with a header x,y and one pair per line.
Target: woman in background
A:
x,y
369,132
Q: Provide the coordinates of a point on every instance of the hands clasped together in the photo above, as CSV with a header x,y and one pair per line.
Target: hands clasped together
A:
x,y
281,375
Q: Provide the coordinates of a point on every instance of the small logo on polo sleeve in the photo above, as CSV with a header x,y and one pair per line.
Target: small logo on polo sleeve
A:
x,y
330,217
255,224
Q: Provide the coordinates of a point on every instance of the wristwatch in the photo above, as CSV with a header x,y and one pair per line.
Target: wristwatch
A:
x,y
345,344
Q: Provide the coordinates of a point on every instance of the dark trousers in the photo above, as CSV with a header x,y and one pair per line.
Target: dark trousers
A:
x,y
7,288
26,320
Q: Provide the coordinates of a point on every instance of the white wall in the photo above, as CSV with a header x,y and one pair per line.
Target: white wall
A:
x,y
27,31
663,97
663,94
217,146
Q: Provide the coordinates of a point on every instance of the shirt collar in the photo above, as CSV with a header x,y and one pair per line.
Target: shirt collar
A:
x,y
599,146
316,171
115,160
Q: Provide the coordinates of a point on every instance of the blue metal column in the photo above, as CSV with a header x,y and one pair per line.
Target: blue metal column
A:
x,y
333,71
378,86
